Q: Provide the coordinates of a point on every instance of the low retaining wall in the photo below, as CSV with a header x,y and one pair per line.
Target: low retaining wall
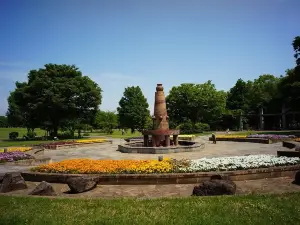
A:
x,y
252,140
27,162
290,144
172,178
126,148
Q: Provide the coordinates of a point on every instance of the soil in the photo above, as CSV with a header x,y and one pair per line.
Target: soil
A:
x,y
262,186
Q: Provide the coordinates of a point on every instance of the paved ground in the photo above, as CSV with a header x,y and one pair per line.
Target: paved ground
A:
x,y
273,185
109,151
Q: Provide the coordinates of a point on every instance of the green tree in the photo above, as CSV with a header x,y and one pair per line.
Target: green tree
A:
x,y
195,102
106,120
239,96
290,83
54,96
3,121
264,91
133,109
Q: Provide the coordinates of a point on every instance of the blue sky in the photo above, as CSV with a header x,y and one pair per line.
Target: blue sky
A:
x,y
121,43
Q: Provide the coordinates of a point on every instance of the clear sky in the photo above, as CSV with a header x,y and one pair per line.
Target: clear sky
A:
x,y
121,43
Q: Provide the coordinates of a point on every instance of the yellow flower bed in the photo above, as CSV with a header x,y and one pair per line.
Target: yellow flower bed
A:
x,y
185,137
231,136
90,166
15,149
86,141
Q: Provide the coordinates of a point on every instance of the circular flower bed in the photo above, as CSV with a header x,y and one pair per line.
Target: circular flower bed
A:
x,y
89,166
14,156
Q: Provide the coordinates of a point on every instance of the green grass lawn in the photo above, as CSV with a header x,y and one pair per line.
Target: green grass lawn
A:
x,y
22,131
240,210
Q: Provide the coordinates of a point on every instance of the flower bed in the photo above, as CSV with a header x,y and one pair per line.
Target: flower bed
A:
x,y
17,149
238,163
231,136
89,166
53,145
271,136
14,156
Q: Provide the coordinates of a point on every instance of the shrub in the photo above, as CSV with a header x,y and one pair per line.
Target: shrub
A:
x,y
31,134
202,127
13,135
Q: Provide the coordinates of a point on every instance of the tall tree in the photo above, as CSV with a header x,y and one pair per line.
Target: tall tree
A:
x,y
195,102
239,96
290,83
133,109
54,96
264,90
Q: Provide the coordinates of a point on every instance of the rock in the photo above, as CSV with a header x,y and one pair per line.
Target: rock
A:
x,y
81,184
297,148
297,178
44,189
12,182
219,177
215,187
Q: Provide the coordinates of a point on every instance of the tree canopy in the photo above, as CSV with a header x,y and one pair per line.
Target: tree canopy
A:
x,y
53,97
133,109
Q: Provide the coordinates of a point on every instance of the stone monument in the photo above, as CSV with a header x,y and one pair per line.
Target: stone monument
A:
x,y
160,132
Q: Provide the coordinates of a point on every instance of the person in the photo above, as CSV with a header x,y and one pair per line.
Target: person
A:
x,y
123,131
214,139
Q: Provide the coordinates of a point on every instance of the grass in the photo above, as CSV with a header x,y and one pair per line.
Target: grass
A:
x,y
22,131
252,209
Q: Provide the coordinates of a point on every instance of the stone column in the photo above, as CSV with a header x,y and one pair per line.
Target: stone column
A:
x,y
146,140
283,121
153,141
261,119
175,140
167,140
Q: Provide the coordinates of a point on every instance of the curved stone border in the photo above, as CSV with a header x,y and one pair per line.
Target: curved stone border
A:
x,y
27,162
126,148
172,178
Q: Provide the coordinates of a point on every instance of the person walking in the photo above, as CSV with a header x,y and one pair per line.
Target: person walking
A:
x,y
214,139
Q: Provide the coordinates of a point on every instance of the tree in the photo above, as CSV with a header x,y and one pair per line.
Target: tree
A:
x,y
264,90
239,96
54,96
290,83
3,121
106,121
195,102
133,109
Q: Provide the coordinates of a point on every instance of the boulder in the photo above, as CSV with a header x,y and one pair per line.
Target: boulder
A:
x,y
81,184
215,187
43,189
12,182
297,178
219,177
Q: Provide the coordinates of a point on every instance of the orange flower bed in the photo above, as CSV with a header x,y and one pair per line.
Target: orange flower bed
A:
x,y
90,166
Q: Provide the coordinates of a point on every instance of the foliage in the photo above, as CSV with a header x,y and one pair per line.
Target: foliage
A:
x,y
3,121
195,102
133,109
54,96
201,127
13,135
106,121
239,96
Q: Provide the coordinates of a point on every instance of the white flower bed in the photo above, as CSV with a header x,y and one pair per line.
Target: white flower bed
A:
x,y
239,163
